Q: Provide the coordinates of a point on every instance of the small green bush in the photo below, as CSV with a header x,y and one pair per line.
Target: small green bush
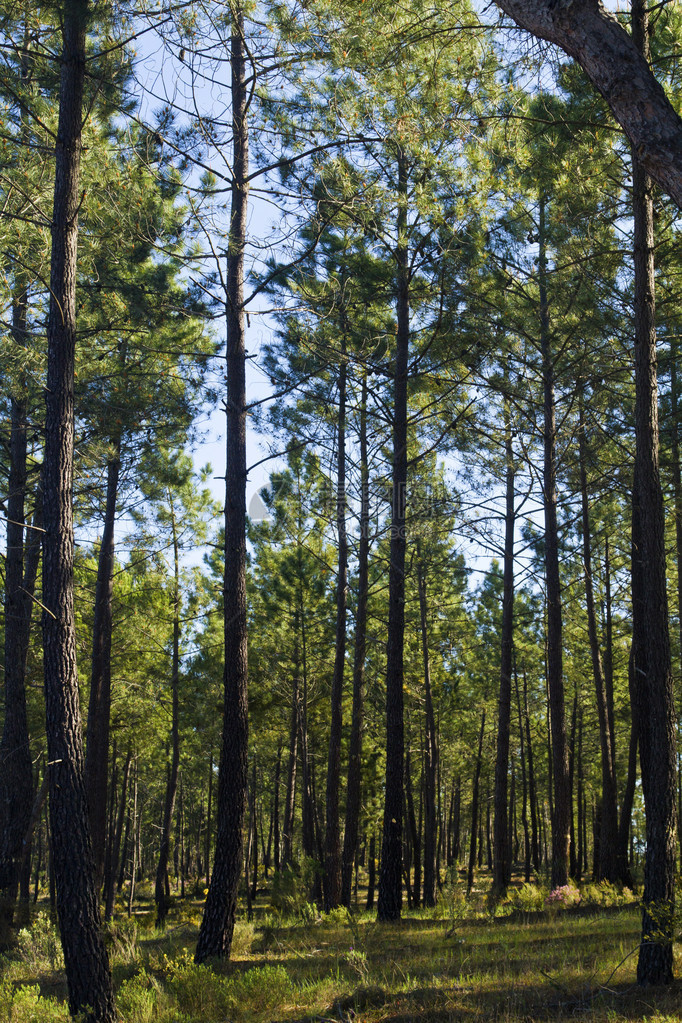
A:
x,y
39,946
529,898
26,1005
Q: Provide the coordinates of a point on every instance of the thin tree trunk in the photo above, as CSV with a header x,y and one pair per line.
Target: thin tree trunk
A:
x,y
275,806
353,787
99,707
332,845
209,821
609,799
371,873
133,826
524,786
431,751
116,844
290,798
555,680
217,926
390,895
87,967
161,881
16,769
656,715
474,806
501,854
532,793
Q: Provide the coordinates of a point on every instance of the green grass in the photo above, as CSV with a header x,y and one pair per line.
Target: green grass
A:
x,y
466,961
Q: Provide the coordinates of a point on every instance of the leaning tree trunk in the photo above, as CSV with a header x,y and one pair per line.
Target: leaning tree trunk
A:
x,y
87,967
390,878
350,836
16,769
561,809
332,859
501,852
217,925
656,715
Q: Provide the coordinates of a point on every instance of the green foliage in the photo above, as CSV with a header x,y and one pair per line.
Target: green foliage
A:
x,y
25,1004
291,891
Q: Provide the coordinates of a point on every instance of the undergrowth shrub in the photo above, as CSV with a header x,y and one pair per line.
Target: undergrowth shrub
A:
x,y
529,898
605,894
39,946
203,995
25,1005
291,889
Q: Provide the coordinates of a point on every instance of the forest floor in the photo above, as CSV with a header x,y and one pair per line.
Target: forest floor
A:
x,y
459,962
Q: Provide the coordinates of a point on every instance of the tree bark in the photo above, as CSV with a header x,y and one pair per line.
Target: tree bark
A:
x,y
217,926
110,878
87,967
390,882
616,67
353,787
656,714
332,862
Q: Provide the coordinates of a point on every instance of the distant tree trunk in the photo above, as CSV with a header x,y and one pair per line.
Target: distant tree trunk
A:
x,y
624,871
524,786
532,793
16,769
99,707
350,838
209,821
133,829
580,851
474,806
87,967
290,797
501,854
332,861
656,715
571,766
161,882
217,925
456,822
555,681
414,835
275,806
609,799
390,883
110,878
431,749
371,873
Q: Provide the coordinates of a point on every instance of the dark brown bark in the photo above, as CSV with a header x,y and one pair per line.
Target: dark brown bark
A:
x,y
609,794
390,894
413,839
532,788
431,752
613,62
209,821
656,715
217,926
580,852
353,787
332,845
561,809
99,706
16,777
87,968
161,881
501,854
371,873
474,806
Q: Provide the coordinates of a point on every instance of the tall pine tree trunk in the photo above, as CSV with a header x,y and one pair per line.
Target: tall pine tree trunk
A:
x,y
501,852
16,777
161,882
431,749
87,967
350,837
217,926
561,809
332,863
99,707
390,880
